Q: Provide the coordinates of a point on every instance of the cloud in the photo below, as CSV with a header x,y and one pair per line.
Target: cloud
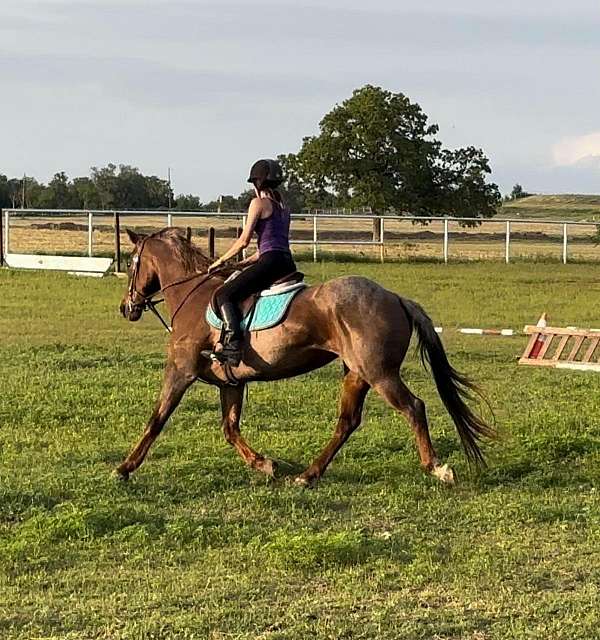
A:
x,y
582,150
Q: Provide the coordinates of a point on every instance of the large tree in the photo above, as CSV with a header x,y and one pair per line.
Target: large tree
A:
x,y
378,149
5,200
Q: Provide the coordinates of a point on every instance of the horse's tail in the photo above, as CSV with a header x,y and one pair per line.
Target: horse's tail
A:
x,y
454,387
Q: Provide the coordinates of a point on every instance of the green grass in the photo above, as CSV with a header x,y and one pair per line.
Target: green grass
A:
x,y
197,546
557,207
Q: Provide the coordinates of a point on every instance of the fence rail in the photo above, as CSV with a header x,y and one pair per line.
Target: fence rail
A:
x,y
378,237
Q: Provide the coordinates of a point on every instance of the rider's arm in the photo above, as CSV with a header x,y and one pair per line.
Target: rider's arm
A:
x,y
248,261
254,213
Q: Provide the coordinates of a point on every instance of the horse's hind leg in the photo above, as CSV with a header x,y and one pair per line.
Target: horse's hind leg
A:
x,y
399,396
354,392
175,384
232,399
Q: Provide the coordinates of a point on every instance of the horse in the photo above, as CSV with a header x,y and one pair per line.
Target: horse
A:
x,y
351,318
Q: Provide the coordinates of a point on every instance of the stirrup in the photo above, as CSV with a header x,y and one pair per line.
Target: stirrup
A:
x,y
229,353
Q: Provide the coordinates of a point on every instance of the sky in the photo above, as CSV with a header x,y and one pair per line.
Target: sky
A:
x,y
207,87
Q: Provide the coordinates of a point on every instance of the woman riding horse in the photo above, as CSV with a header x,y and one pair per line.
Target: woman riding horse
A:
x,y
270,218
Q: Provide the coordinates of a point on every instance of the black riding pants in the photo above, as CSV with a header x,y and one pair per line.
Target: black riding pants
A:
x,y
269,267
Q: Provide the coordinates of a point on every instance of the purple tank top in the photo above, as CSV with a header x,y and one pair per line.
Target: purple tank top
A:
x,y
274,232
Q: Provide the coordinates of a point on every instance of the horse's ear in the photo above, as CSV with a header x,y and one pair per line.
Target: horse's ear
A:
x,y
134,237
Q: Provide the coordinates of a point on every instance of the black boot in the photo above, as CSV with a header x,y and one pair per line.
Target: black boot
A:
x,y
231,348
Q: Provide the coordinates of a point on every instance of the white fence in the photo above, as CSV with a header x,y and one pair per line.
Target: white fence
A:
x,y
316,231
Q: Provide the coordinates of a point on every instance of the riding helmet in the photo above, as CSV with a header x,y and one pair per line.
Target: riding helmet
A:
x,y
266,173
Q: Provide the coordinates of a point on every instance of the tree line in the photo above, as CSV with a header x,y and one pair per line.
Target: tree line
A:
x,y
377,149
110,187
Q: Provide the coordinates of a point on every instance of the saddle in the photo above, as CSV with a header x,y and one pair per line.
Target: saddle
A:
x,y
261,310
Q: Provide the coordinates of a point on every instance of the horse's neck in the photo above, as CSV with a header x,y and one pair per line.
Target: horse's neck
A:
x,y
171,273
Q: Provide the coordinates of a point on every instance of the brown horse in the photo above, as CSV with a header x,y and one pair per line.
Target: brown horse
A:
x,y
351,318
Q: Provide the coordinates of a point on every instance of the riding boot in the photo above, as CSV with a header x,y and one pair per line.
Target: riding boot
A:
x,y
231,349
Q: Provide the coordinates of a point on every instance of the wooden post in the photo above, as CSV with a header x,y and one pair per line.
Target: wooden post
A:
x,y
211,242
240,255
188,233
376,230
446,240
381,241
90,234
6,233
244,251
117,243
1,238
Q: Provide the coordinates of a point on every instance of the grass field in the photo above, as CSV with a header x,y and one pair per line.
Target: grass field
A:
x,y
197,546
557,207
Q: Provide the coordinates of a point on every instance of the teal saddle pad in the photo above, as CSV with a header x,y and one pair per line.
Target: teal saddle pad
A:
x,y
268,312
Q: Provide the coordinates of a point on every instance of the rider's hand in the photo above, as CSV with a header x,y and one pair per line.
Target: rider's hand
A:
x,y
214,266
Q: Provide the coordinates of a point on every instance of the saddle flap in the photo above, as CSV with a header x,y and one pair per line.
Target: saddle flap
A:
x,y
269,310
245,306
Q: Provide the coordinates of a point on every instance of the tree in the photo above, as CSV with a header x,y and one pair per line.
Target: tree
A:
x,y
127,188
4,192
244,199
59,194
86,193
157,193
104,180
377,149
462,189
518,192
187,202
15,192
35,194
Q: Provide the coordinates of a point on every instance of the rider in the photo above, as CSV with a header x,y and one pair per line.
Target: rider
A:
x,y
270,218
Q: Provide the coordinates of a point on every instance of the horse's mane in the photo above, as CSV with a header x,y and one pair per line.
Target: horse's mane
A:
x,y
186,253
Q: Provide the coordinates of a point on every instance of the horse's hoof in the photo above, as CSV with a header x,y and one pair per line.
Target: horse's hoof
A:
x,y
306,483
443,473
121,474
267,466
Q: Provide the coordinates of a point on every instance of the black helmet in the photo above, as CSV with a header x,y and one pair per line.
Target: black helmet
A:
x,y
266,173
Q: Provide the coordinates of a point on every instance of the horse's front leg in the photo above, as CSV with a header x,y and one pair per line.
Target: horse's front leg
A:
x,y
354,391
175,384
232,399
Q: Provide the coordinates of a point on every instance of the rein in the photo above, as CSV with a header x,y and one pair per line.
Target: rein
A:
x,y
149,303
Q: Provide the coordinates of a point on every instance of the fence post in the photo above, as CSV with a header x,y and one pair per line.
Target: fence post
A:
x,y
507,256
188,233
6,233
376,230
244,251
90,232
240,255
565,243
315,240
169,219
446,240
381,242
1,238
211,242
117,243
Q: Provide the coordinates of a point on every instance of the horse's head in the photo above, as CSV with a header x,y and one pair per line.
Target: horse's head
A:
x,y
143,278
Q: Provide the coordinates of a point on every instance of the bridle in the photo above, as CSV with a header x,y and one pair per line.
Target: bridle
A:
x,y
148,302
